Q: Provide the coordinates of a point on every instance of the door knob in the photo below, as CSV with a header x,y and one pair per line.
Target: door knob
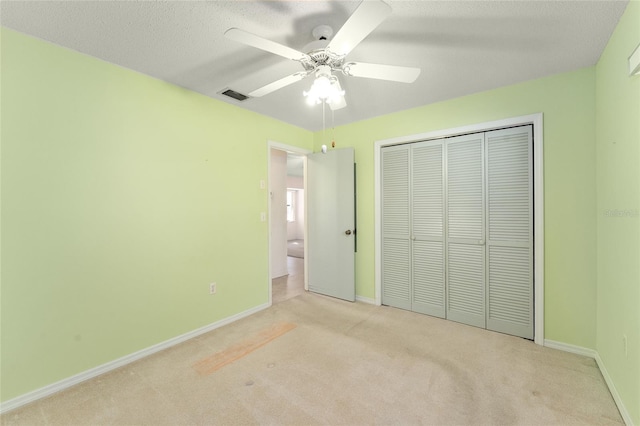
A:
x,y
348,232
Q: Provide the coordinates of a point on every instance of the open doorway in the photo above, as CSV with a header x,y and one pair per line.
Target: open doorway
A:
x,y
286,222
295,206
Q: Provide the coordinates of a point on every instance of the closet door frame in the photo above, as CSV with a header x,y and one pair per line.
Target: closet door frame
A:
x,y
536,120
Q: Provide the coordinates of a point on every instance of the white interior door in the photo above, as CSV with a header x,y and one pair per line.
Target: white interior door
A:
x,y
331,223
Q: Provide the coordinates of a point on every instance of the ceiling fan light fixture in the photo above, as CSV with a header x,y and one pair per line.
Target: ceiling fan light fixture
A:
x,y
325,88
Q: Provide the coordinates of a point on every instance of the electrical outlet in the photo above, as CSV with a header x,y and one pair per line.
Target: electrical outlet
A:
x,y
624,342
212,288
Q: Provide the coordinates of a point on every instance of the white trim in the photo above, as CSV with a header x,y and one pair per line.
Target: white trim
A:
x,y
634,62
63,384
296,150
566,347
363,299
579,350
538,227
377,221
614,392
538,199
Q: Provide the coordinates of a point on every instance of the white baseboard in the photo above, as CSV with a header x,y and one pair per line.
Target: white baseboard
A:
x,y
32,396
566,347
614,392
279,273
596,356
365,300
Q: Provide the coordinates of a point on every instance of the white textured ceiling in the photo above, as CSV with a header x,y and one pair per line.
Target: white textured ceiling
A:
x,y
461,47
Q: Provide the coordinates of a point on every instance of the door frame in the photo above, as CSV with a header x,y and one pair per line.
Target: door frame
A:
x,y
298,151
538,201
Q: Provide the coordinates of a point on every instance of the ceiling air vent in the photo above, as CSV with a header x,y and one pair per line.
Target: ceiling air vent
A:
x,y
235,95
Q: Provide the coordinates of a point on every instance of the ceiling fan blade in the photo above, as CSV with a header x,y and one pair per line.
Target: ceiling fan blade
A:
x,y
244,37
364,20
278,84
382,72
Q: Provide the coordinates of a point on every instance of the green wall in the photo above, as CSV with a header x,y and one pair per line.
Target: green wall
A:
x,y
122,198
618,189
568,104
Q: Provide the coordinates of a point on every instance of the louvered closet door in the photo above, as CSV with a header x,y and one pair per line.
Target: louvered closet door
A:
x,y
465,266
396,250
427,200
510,231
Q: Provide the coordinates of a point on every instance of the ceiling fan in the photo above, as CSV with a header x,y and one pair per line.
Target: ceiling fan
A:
x,y
328,54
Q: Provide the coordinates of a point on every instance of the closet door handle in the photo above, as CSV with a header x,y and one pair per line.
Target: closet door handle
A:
x,y
347,232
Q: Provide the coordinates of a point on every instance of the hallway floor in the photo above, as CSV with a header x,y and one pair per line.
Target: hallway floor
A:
x,y
291,285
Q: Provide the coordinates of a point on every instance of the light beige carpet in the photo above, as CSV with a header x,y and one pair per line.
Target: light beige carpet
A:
x,y
338,363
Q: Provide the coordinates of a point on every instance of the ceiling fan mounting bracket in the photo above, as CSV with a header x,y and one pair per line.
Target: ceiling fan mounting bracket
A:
x,y
322,32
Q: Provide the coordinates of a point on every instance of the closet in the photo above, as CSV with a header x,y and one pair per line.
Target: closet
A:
x,y
457,229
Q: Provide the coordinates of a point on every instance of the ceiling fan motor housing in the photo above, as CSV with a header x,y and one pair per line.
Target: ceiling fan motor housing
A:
x,y
318,53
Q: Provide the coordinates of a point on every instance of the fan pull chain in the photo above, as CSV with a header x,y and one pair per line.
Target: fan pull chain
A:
x,y
323,123
333,129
